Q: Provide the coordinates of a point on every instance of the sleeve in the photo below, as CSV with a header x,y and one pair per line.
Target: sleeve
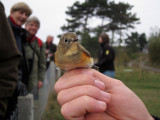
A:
x,y
53,48
42,63
155,117
9,61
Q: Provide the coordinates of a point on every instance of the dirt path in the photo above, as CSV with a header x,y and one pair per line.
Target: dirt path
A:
x,y
142,64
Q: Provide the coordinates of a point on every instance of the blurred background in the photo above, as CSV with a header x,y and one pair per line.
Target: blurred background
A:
x,y
53,15
133,27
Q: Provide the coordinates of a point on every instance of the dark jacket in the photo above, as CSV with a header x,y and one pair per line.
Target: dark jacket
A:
x,y
155,117
106,58
52,49
9,60
21,88
20,35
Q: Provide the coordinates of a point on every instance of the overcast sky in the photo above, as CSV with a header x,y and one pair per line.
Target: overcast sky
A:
x,y
52,14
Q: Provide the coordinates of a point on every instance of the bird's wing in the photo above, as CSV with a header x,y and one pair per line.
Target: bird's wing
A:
x,y
84,51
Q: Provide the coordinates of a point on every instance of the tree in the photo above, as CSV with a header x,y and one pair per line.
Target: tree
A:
x,y
154,47
79,13
113,16
75,23
132,42
121,18
135,42
90,43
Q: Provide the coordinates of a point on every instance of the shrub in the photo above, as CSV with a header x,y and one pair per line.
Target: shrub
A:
x,y
154,48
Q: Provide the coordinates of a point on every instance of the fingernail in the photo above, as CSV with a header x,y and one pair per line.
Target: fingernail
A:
x,y
100,84
106,96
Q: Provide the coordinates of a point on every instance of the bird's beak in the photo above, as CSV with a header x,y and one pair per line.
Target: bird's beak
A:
x,y
75,40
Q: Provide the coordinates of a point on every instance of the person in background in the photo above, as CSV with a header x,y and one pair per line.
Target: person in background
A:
x,y
9,61
19,13
106,57
98,97
50,50
35,55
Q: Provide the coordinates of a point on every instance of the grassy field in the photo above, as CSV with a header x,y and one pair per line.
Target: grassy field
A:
x,y
145,84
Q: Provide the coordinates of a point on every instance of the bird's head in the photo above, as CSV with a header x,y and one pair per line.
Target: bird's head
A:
x,y
67,40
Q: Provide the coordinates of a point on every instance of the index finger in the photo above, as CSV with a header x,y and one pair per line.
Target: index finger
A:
x,y
109,82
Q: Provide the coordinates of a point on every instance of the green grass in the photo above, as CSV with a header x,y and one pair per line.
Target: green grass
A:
x,y
145,84
52,111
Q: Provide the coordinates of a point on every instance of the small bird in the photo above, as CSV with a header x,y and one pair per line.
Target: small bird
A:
x,y
70,54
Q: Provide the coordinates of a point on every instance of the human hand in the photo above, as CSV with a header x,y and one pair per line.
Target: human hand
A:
x,y
80,96
40,84
21,89
47,51
51,54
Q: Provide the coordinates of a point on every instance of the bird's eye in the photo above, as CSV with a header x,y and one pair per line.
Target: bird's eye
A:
x,y
65,40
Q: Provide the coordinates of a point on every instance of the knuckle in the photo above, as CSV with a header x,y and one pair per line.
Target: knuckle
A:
x,y
118,82
85,76
60,97
86,99
90,89
58,86
64,112
88,78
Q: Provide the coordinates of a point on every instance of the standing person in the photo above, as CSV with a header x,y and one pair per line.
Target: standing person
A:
x,y
35,55
50,50
106,57
9,60
19,13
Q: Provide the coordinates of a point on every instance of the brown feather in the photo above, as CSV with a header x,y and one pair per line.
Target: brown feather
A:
x,y
80,47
